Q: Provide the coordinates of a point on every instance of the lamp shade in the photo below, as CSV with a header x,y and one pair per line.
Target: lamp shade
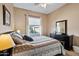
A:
x,y
18,31
6,42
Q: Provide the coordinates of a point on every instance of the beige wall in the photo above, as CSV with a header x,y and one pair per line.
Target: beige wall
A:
x,y
68,12
2,27
21,20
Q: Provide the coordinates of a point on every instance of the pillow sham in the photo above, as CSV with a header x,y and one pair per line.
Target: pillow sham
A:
x,y
17,38
16,34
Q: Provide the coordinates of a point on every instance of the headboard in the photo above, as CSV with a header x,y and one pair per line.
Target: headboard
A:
x,y
6,32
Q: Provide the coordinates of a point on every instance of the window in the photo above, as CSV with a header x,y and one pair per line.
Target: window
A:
x,y
34,27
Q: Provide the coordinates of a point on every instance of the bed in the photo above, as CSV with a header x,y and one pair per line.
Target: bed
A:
x,y
41,46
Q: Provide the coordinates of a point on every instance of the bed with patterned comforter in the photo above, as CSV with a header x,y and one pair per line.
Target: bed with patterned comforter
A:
x,y
41,46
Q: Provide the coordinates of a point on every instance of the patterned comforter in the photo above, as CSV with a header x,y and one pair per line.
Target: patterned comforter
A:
x,y
41,46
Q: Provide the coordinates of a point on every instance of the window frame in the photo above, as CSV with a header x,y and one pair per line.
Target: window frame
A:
x,y
40,23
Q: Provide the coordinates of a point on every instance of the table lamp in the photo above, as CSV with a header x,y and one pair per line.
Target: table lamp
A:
x,y
18,31
6,42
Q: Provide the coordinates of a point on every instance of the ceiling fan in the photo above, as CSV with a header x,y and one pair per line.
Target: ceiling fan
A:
x,y
43,5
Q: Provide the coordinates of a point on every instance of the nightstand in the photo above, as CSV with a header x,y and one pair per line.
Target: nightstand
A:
x,y
7,52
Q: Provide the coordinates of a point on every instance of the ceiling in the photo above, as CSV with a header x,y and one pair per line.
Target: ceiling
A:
x,y
31,6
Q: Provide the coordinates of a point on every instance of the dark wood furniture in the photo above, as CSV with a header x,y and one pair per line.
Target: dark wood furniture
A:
x,y
7,52
64,39
61,34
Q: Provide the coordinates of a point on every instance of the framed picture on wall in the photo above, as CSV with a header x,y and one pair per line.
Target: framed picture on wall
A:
x,y
6,16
